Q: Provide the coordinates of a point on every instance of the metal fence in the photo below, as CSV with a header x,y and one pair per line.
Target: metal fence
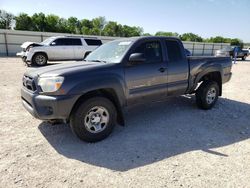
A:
x,y
203,49
10,41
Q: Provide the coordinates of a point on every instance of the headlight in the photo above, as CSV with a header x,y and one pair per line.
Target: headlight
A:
x,y
50,84
29,48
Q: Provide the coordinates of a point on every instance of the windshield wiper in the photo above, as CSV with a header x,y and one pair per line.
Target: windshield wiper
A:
x,y
96,60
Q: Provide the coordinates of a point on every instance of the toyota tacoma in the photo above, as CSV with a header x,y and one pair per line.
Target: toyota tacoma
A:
x,y
93,94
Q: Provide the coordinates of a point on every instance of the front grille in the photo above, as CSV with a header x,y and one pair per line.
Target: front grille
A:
x,y
29,83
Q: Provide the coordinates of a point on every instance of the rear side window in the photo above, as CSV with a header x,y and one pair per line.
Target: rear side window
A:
x,y
174,50
76,42
93,42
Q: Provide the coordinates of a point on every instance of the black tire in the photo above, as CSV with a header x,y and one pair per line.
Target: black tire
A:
x,y
244,58
202,94
82,112
39,59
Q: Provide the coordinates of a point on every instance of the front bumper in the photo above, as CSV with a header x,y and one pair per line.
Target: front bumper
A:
x,y
26,56
48,107
21,54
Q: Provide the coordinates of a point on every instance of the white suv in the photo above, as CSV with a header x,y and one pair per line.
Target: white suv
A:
x,y
57,49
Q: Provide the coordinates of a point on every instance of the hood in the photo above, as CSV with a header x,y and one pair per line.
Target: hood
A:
x,y
246,51
64,69
27,44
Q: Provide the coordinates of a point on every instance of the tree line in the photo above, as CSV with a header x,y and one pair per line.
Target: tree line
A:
x,y
96,26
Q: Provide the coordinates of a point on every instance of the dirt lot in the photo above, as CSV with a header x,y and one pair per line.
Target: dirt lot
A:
x,y
170,144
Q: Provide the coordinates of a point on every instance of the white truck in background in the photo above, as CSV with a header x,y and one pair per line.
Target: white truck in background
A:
x,y
58,48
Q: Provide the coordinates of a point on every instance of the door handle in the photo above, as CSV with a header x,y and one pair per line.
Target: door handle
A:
x,y
162,69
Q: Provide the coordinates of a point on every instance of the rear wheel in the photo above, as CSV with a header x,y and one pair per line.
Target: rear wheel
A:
x,y
39,59
93,119
207,94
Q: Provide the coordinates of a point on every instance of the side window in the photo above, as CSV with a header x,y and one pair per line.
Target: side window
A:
x,y
76,42
68,42
63,42
93,42
174,50
151,51
59,42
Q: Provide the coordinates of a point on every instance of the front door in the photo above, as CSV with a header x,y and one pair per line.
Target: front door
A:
x,y
147,80
61,49
78,48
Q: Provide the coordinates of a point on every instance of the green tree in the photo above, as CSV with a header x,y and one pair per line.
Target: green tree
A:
x,y
98,25
237,42
138,31
166,34
39,21
74,25
112,29
52,23
217,39
146,34
128,31
86,26
6,19
63,26
24,22
191,37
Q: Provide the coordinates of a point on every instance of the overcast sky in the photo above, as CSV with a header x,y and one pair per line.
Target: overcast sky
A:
x,y
227,18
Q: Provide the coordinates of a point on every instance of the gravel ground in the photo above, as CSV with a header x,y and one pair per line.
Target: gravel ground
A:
x,y
169,144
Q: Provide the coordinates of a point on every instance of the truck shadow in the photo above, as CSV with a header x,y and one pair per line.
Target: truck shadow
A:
x,y
156,132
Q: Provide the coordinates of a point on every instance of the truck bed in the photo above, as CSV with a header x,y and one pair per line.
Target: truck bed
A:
x,y
198,64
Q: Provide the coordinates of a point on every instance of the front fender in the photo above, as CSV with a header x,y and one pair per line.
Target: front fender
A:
x,y
93,83
34,50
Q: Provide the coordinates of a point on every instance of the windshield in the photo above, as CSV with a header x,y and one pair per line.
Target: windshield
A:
x,y
48,41
112,52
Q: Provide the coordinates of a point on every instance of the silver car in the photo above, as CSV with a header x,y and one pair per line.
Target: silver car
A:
x,y
57,49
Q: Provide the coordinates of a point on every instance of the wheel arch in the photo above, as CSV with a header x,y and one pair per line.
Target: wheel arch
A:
x,y
215,76
40,52
108,93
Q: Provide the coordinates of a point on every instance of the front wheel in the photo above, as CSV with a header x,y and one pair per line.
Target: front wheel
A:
x,y
244,57
93,119
39,59
207,94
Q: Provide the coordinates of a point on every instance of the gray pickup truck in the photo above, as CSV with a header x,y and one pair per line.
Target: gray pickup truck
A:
x,y
92,95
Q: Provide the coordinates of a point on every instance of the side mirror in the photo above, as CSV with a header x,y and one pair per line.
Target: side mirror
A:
x,y
137,58
53,44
